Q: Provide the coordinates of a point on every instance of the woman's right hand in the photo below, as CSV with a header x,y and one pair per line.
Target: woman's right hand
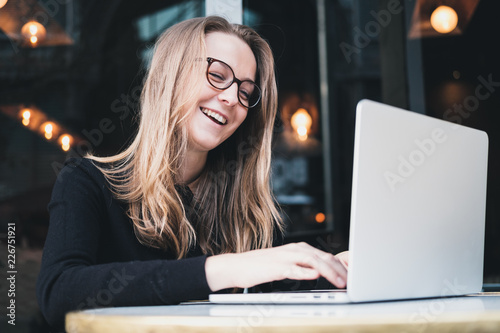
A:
x,y
296,261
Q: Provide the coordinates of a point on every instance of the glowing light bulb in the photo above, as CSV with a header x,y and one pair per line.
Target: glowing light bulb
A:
x,y
26,114
444,19
66,140
33,29
302,131
3,3
34,32
320,217
301,122
48,128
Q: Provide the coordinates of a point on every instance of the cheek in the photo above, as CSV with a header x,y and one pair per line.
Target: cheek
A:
x,y
207,92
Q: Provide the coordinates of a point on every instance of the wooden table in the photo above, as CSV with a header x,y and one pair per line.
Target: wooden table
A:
x,y
458,314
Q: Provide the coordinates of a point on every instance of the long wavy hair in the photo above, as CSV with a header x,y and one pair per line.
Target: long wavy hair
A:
x,y
233,192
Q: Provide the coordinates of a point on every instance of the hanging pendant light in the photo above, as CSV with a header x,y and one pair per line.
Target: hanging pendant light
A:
x,y
33,32
444,19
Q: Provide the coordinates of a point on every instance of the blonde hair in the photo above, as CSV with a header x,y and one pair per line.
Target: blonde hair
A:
x,y
233,191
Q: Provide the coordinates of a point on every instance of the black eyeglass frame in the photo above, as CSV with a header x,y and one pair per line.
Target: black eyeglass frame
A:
x,y
235,79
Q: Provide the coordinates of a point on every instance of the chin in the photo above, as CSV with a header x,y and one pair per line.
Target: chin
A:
x,y
205,145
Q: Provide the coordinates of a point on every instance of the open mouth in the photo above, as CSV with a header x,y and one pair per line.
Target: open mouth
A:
x,y
215,117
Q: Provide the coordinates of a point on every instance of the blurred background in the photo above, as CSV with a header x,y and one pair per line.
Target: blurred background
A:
x,y
71,73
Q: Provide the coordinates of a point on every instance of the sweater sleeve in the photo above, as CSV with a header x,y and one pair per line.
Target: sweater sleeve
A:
x,y
71,276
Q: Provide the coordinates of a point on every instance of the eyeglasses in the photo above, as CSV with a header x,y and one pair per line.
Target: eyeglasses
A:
x,y
221,76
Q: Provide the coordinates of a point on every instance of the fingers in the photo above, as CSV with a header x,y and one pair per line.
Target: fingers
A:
x,y
297,261
344,258
330,268
301,273
325,264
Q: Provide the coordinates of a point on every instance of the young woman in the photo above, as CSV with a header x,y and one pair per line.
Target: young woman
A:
x,y
186,209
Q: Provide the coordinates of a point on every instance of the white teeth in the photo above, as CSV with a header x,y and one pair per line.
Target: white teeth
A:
x,y
214,115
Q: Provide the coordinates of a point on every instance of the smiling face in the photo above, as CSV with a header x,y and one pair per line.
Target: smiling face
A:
x,y
218,113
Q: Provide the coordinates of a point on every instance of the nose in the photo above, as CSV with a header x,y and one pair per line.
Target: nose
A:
x,y
229,95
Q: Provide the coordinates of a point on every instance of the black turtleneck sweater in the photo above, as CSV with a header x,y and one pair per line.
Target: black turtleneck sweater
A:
x,y
92,257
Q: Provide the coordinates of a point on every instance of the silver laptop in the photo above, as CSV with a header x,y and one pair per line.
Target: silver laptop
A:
x,y
417,215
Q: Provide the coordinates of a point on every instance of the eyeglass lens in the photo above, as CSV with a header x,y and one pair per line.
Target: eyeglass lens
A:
x,y
221,76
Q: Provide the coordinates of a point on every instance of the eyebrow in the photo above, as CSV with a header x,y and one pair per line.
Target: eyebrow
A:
x,y
233,67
